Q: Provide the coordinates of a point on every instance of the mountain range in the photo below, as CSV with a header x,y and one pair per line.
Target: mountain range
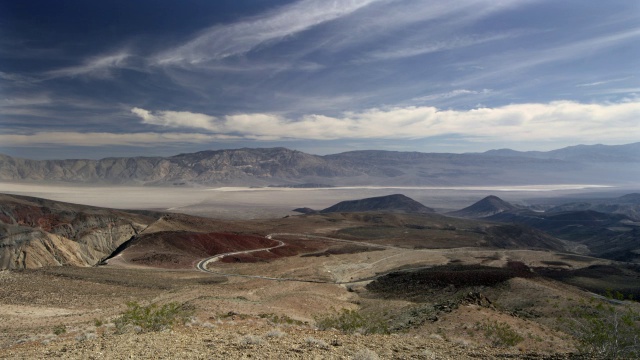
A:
x,y
597,164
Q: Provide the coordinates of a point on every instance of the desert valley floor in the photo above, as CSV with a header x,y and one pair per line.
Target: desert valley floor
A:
x,y
268,297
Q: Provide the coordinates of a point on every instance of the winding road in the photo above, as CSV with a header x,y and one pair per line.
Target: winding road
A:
x,y
202,264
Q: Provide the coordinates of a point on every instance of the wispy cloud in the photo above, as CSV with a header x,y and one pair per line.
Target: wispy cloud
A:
x,y
506,63
241,37
93,139
96,67
451,94
603,82
428,19
409,50
25,101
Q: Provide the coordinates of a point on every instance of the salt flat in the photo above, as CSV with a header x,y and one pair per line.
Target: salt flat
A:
x,y
249,203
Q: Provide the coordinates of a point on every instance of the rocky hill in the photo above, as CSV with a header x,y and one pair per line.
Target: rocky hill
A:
x,y
389,203
627,205
488,206
37,232
290,168
611,236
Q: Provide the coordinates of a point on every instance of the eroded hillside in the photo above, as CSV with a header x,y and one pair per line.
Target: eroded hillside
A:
x,y
36,232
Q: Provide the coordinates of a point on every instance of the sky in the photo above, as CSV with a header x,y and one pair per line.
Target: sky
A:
x,y
94,79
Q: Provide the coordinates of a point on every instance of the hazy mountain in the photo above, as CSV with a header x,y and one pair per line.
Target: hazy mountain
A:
x,y
37,232
583,153
290,168
488,206
389,203
242,166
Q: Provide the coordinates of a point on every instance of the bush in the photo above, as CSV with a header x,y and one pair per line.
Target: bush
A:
x,y
351,321
59,329
501,334
605,331
153,317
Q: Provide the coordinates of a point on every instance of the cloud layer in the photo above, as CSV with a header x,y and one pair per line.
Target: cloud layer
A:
x,y
560,120
520,122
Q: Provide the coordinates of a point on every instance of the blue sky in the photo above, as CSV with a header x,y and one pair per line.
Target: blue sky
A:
x,y
91,79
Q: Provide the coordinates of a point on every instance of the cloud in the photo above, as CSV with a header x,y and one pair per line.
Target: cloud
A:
x,y
24,101
220,42
602,82
409,50
518,122
177,119
451,94
504,64
560,121
97,67
437,19
93,139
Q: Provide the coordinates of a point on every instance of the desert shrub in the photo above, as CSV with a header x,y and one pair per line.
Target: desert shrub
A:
x,y
59,329
605,331
501,334
153,317
317,343
365,354
281,319
351,321
250,340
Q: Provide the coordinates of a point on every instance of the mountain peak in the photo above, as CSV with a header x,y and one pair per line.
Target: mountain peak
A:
x,y
488,206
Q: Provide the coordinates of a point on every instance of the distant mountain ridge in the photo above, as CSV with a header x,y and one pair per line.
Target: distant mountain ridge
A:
x,y
588,153
283,167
